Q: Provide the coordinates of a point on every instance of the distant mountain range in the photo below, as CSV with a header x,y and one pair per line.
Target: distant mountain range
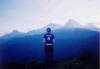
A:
x,y
71,40
43,30
70,24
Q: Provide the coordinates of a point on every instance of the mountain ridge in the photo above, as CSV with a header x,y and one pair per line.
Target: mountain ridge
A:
x,y
71,24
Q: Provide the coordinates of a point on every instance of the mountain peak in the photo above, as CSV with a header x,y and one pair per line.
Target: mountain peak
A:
x,y
72,21
15,31
42,30
72,24
52,26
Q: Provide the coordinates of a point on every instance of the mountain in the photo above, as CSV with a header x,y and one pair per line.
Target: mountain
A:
x,y
71,40
52,26
69,43
73,24
42,30
93,26
69,25
13,34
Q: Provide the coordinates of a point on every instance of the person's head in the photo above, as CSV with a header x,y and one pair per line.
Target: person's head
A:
x,y
48,30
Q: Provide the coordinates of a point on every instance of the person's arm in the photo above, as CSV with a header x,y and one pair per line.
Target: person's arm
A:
x,y
53,40
43,40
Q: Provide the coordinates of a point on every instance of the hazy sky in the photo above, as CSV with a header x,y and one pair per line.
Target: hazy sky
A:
x,y
25,15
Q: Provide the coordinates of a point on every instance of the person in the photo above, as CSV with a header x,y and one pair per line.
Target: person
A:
x,y
48,41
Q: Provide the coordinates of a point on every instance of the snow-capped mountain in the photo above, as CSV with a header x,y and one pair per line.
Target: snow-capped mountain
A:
x,y
93,26
16,33
70,24
73,24
42,30
52,26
